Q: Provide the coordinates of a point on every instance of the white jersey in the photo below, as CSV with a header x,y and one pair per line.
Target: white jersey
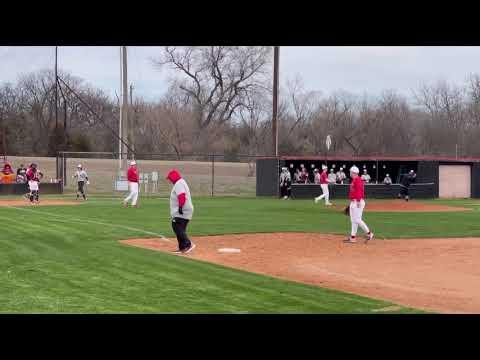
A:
x,y
285,178
81,175
181,187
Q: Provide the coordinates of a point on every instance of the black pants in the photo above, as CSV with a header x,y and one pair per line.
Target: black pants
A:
x,y
403,192
80,190
179,226
286,190
34,195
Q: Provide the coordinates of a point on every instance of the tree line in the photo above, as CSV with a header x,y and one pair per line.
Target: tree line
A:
x,y
219,101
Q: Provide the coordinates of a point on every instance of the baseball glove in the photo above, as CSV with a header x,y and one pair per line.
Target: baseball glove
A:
x,y
346,211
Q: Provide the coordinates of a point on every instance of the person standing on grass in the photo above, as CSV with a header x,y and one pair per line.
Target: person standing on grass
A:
x,y
285,183
82,177
357,204
324,186
181,211
132,177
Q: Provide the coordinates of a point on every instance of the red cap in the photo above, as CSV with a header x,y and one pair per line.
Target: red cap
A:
x,y
174,176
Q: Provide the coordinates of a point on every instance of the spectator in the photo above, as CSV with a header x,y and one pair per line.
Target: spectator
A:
x,y
365,177
332,178
7,169
285,183
340,176
7,175
297,176
387,180
316,177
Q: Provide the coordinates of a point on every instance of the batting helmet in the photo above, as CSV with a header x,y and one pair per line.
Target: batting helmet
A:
x,y
354,169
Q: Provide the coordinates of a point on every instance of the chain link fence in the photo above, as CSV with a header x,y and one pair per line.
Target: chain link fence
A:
x,y
206,174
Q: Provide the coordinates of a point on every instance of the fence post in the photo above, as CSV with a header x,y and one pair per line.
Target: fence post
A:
x,y
213,171
57,172
64,166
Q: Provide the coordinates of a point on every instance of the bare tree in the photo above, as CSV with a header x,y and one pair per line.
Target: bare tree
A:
x,y
216,79
446,106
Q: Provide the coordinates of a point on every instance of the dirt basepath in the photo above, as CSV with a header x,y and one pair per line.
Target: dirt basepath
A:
x,y
24,202
407,206
441,275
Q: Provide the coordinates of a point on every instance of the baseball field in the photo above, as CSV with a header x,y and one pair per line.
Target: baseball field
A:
x,y
65,256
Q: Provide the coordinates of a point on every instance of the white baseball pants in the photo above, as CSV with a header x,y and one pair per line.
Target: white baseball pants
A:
x,y
356,217
33,185
133,193
325,194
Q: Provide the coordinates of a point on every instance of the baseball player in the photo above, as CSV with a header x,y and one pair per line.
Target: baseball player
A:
x,y
405,184
324,185
33,177
132,176
357,204
285,183
21,174
82,177
181,211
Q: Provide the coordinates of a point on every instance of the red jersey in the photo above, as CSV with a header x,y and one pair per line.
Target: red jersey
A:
x,y
323,178
132,174
32,175
357,189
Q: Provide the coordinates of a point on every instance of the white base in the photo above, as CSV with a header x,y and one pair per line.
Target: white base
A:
x,y
229,250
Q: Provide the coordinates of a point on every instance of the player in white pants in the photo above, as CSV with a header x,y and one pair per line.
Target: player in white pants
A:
x,y
357,204
323,180
132,176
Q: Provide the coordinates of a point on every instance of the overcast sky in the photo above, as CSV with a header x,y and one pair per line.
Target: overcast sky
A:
x,y
355,69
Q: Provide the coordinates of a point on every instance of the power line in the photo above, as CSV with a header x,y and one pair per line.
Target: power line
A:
x,y
94,113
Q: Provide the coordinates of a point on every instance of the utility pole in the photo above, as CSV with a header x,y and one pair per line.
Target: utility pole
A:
x,y
56,88
132,122
59,168
276,51
123,125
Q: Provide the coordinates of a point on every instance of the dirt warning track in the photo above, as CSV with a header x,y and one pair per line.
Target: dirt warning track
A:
x,y
441,275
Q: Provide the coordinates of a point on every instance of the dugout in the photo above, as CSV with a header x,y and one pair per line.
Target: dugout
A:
x,y
436,176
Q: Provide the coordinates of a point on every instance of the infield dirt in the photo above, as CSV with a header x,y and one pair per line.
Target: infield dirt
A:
x,y
441,275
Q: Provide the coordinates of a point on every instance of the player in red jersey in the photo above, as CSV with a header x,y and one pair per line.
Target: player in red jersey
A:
x,y
357,204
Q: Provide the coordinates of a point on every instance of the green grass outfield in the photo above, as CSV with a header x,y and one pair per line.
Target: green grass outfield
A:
x,y
67,259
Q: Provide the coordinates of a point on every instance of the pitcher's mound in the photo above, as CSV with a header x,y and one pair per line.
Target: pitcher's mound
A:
x,y
41,203
433,274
